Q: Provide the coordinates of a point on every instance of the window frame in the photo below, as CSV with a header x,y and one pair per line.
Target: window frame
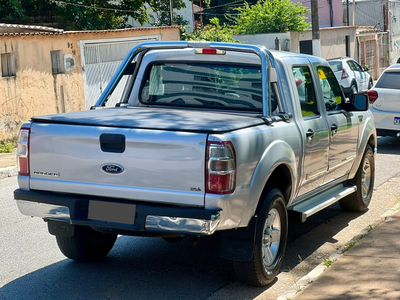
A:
x,y
59,67
8,65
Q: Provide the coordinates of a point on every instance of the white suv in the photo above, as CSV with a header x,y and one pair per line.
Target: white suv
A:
x,y
384,102
351,76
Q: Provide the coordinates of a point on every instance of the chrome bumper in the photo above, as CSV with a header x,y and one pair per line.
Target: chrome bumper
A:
x,y
153,223
44,210
182,225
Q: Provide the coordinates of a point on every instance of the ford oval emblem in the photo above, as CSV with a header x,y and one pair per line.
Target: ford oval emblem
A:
x,y
112,168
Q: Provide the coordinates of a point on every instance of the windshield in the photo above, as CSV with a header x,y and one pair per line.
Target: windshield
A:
x,y
389,80
205,85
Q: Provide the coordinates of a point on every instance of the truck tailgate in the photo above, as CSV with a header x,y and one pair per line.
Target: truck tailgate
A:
x,y
152,165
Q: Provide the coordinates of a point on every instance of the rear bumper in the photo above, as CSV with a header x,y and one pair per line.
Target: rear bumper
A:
x,y
75,209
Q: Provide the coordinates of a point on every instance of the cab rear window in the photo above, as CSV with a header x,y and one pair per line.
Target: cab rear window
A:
x,y
223,86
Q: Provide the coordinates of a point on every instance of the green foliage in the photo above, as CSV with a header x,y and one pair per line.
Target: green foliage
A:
x,y
162,11
213,32
85,14
6,146
271,16
327,262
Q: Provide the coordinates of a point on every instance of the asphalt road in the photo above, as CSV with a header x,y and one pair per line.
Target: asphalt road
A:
x,y
31,266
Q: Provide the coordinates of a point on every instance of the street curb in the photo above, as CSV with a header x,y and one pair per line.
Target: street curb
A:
x,y
8,172
313,275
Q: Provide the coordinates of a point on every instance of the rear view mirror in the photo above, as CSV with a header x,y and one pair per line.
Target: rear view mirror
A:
x,y
359,102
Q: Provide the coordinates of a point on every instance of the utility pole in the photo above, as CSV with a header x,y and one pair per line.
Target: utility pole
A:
x,y
354,12
171,12
316,41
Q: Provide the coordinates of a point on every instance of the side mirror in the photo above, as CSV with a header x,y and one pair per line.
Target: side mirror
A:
x,y
359,102
366,68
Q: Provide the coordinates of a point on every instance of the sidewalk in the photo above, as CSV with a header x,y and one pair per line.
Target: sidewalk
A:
x,y
369,269
8,165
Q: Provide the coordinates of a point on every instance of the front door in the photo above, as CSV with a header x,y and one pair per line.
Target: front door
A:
x,y
343,127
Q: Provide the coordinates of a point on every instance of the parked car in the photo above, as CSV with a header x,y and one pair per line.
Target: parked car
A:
x,y
384,102
351,76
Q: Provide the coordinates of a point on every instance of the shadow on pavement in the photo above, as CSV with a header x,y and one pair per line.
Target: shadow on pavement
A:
x,y
145,268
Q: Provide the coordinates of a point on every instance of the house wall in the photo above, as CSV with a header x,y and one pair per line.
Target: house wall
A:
x,y
324,12
333,41
34,90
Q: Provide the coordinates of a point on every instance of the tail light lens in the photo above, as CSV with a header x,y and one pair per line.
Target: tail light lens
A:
x,y
220,168
344,74
23,151
373,95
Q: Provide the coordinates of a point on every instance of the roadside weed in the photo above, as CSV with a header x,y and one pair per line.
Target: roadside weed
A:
x,y
328,262
6,147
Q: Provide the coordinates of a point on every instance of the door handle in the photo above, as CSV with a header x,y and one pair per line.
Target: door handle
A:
x,y
334,129
310,134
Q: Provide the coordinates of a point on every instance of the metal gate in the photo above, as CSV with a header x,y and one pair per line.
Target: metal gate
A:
x,y
100,60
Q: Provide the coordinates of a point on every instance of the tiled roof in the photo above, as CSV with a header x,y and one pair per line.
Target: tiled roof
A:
x,y
18,28
35,30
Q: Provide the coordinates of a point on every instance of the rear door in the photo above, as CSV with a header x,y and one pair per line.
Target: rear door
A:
x,y
314,128
343,127
361,77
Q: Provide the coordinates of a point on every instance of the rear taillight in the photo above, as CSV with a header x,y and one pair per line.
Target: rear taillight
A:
x,y
373,95
220,168
23,151
344,74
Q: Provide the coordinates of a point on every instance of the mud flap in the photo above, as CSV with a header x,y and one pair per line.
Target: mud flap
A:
x,y
238,244
60,228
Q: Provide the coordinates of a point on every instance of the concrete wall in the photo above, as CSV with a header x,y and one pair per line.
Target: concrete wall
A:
x,y
35,90
266,39
333,41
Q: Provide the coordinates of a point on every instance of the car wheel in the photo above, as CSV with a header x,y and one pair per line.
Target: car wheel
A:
x,y
269,245
364,180
86,244
370,84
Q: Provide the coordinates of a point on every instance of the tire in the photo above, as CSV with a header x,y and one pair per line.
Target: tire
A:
x,y
86,244
364,180
269,245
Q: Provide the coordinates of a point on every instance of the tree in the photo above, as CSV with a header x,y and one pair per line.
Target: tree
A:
x,y
211,32
81,14
162,10
268,16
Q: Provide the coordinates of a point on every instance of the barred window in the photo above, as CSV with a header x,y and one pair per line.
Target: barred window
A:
x,y
8,65
56,62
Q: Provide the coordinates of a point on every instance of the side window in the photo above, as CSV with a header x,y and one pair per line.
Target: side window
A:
x,y
330,89
352,65
358,67
305,90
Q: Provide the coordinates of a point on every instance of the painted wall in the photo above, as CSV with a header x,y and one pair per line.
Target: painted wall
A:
x,y
35,90
324,12
333,41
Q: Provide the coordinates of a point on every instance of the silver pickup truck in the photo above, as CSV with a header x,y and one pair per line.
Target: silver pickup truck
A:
x,y
194,139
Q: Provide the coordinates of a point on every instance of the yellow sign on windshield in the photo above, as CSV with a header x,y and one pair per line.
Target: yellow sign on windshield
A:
x,y
321,74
